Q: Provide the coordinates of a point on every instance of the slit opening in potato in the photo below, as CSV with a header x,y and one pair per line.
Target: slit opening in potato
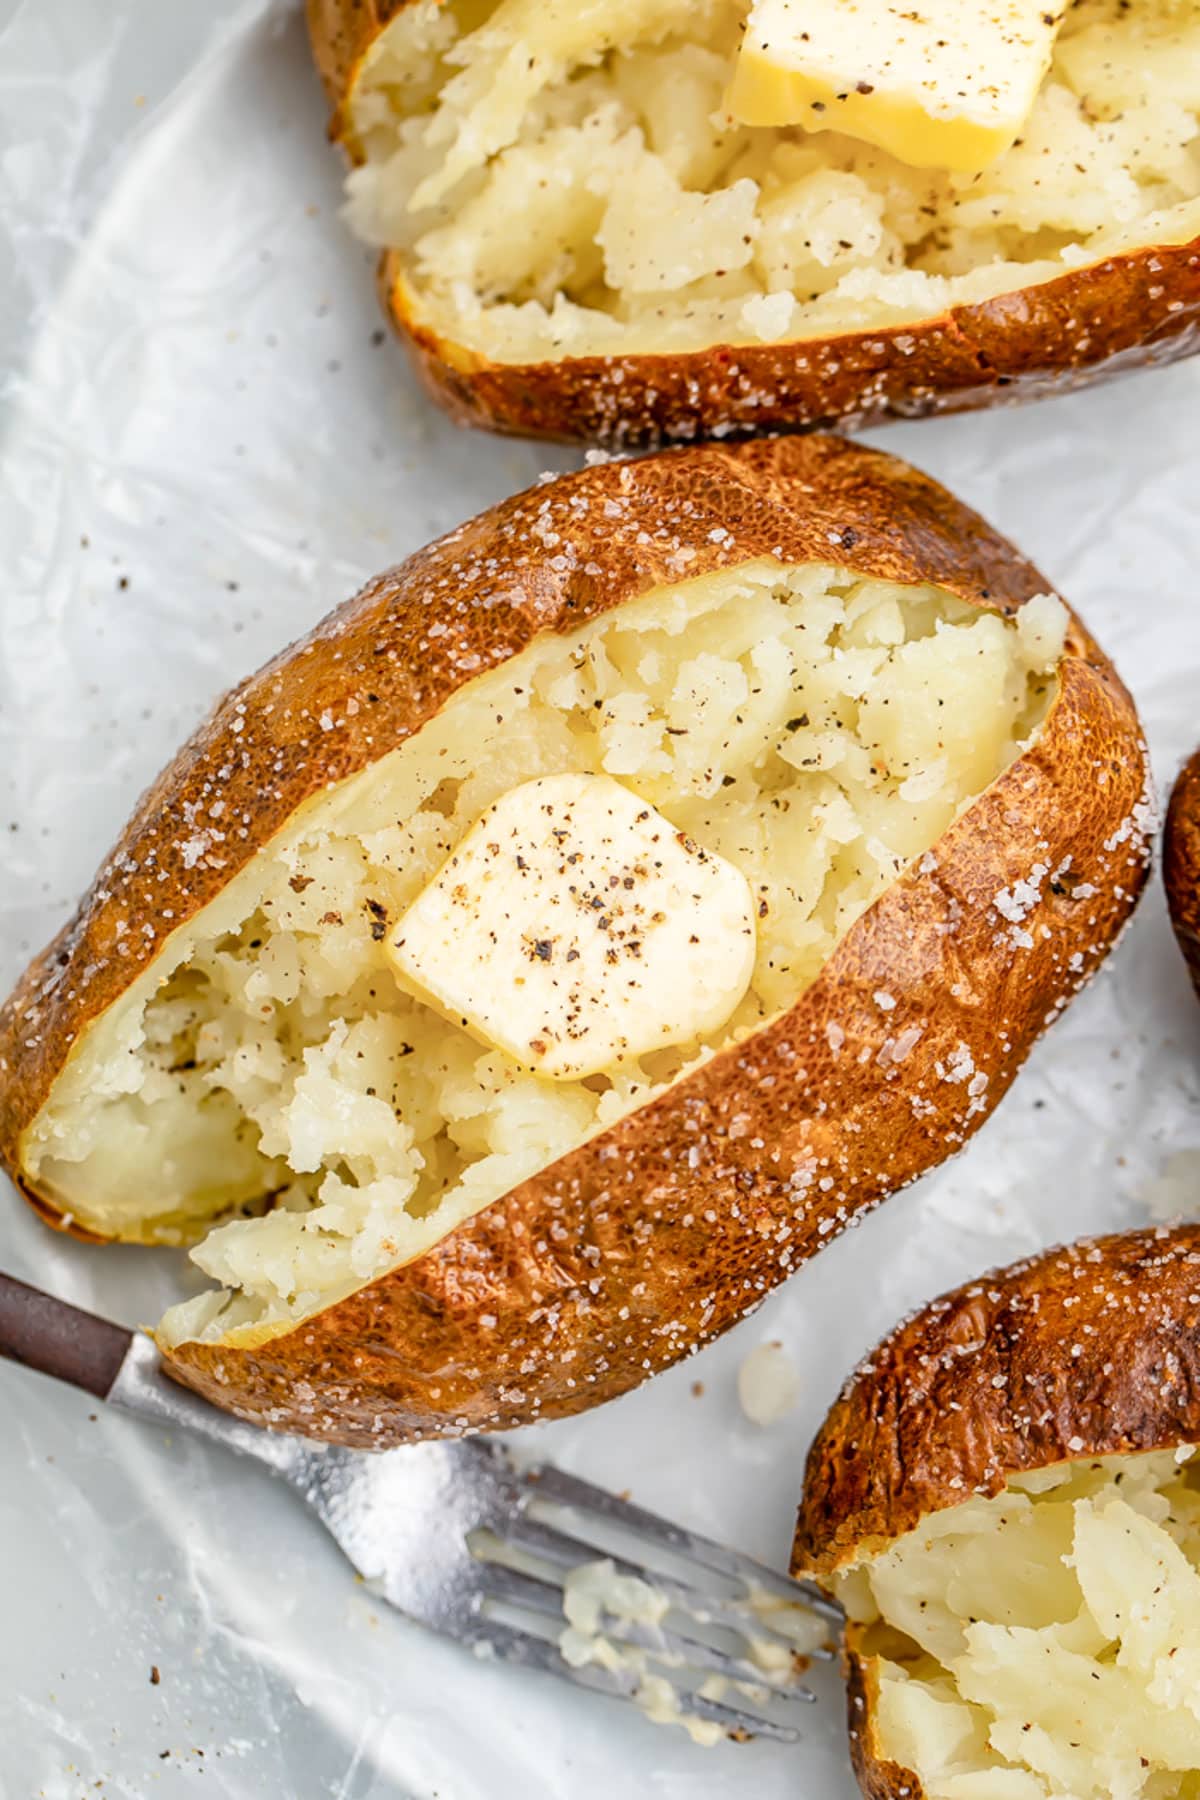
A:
x,y
268,1082
1044,1641
562,181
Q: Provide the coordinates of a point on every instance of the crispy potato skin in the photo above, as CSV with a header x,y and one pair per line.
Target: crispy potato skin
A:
x,y
879,1777
652,1238
1181,863
983,1384
1089,325
1085,325
341,32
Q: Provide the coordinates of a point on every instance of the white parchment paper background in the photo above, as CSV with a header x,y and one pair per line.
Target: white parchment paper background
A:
x,y
204,444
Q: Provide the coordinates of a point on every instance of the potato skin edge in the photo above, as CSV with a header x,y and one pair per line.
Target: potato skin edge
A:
x,y
341,32
1181,864
493,1307
879,1777
1087,325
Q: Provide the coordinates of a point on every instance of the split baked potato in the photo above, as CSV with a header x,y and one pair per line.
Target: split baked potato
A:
x,y
1181,863
331,1012
1006,1500
578,242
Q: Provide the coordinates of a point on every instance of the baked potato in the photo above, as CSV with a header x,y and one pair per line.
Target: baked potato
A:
x,y
330,1012
1181,863
1006,1499
579,243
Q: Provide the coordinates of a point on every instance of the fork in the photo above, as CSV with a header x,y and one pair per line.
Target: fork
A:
x,y
457,1537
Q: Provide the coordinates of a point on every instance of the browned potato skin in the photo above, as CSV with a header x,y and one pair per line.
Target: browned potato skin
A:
x,y
1086,325
879,1777
341,33
652,1238
1181,863
983,1384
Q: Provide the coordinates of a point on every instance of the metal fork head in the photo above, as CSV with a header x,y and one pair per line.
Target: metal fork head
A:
x,y
457,1537
454,1535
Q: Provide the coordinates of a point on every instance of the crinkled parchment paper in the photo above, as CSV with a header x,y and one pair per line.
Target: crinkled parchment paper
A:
x,y
205,442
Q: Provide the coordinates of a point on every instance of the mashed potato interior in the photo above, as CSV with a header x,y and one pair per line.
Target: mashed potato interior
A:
x,y
268,1074
562,179
1045,1644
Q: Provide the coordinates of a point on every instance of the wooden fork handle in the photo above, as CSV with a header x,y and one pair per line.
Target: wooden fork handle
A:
x,y
60,1340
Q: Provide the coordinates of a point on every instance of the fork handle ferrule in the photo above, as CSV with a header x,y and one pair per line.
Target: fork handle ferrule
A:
x,y
143,1387
60,1340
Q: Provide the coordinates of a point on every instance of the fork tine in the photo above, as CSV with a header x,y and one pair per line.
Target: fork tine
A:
x,y
565,1552
737,1723
680,1648
512,1587
517,1589
551,1484
511,1645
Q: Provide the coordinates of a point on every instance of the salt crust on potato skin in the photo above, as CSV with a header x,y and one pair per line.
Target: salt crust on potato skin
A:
x,y
1137,310
1181,863
1122,312
669,1226
980,1386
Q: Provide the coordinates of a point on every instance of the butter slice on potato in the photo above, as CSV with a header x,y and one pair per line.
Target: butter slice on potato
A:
x,y
577,929
947,84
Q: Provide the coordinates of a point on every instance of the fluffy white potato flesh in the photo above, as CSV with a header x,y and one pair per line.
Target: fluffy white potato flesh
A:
x,y
269,1077
576,929
567,179
1046,1642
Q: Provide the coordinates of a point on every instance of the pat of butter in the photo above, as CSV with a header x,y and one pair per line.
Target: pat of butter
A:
x,y
945,84
576,928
